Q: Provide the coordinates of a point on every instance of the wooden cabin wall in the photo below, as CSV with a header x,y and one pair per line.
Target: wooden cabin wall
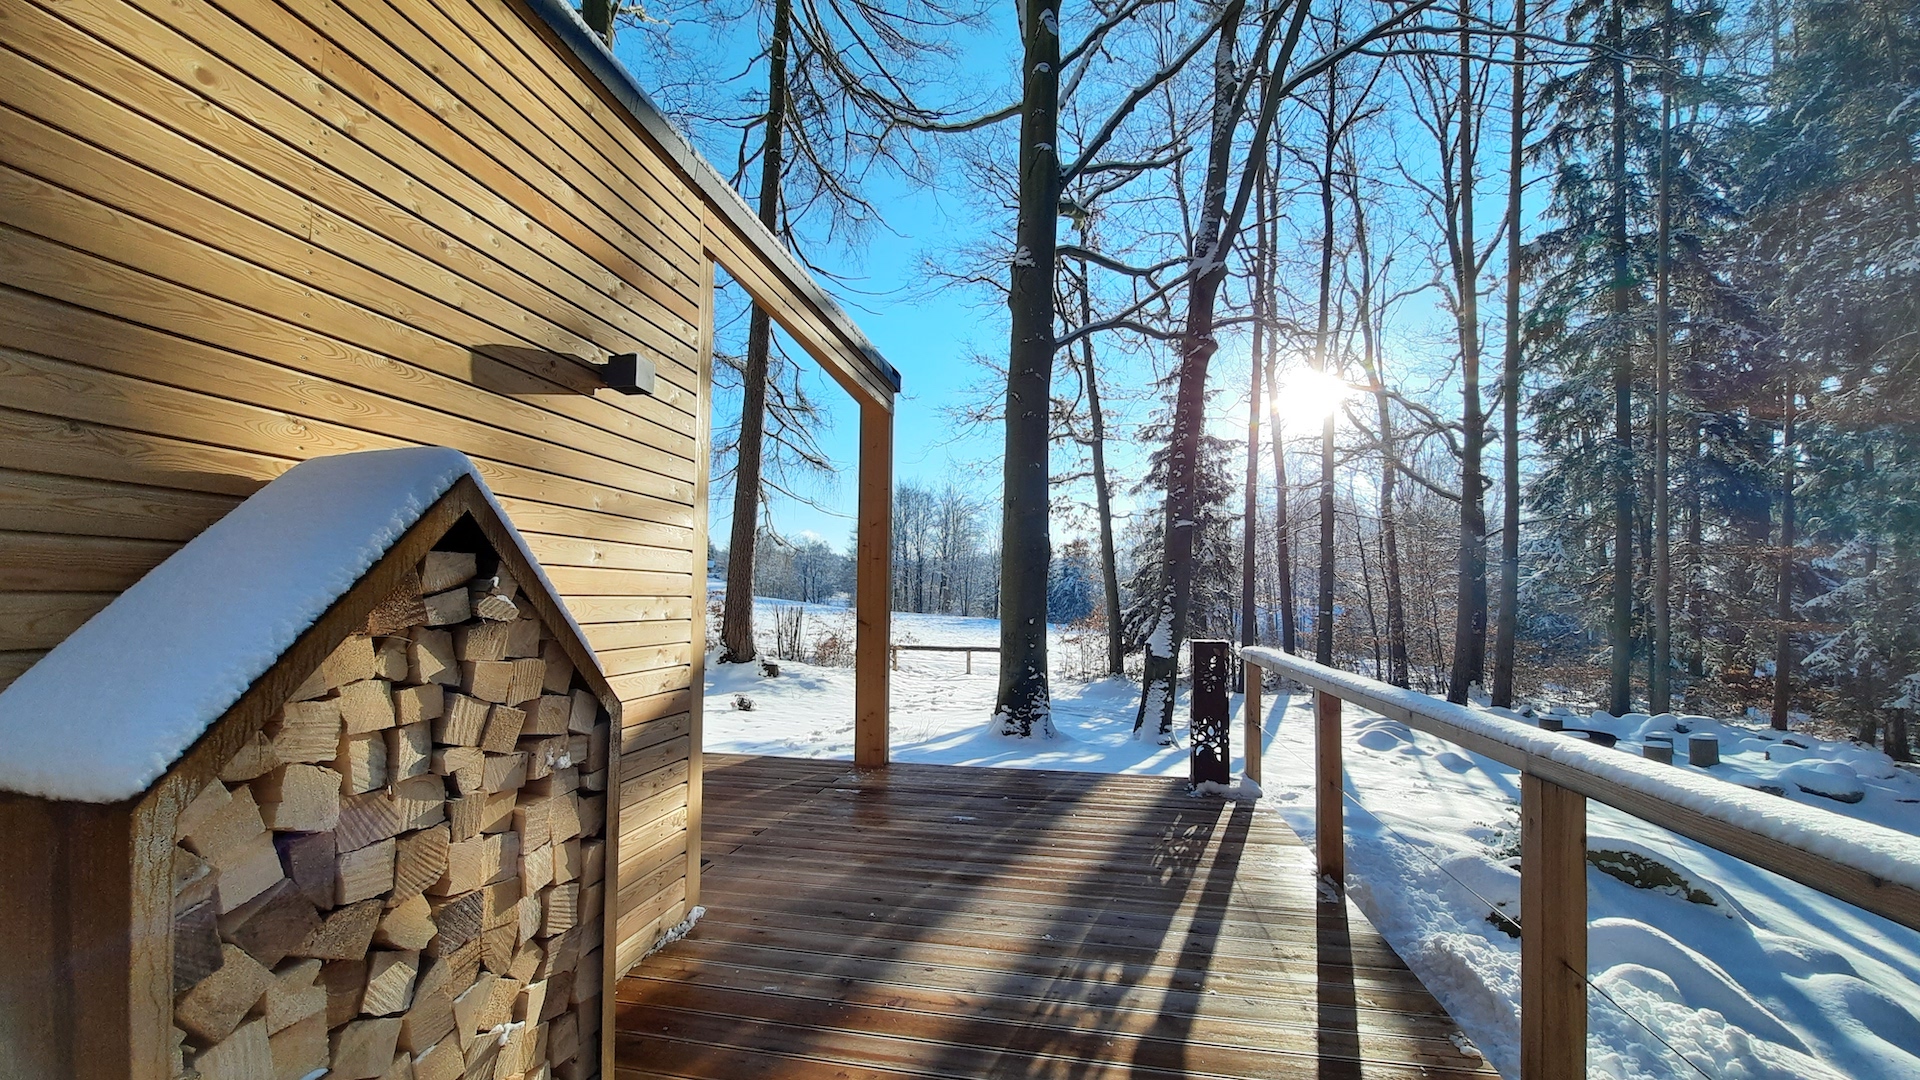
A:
x,y
235,235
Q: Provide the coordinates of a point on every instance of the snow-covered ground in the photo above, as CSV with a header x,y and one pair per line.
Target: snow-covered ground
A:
x,y
1712,968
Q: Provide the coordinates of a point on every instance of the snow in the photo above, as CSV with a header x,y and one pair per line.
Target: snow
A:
x,y
105,713
1725,970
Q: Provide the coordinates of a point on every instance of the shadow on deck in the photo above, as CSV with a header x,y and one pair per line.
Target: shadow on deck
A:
x,y
932,921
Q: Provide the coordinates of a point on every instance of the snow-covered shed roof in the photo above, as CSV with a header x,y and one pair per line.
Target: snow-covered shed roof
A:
x,y
112,707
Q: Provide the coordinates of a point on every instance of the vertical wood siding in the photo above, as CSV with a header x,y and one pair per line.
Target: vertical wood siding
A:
x,y
236,235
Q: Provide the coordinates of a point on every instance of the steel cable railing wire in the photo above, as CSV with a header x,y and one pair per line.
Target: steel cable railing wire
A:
x,y
1499,917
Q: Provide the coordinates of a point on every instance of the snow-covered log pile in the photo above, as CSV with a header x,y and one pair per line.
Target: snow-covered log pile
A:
x,y
403,874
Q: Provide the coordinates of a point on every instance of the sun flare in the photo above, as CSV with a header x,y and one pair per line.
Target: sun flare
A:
x,y
1306,397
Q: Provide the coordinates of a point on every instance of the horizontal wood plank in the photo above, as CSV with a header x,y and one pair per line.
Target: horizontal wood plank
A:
x,y
943,922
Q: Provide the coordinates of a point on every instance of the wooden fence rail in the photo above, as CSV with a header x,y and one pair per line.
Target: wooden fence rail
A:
x,y
894,652
1866,865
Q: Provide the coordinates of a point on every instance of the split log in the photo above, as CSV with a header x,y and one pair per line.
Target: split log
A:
x,y
390,978
462,721
409,751
420,861
300,1048
363,1049
412,704
367,706
344,981
470,1006
480,861
536,868
566,861
345,934
196,945
408,926
524,638
363,872
504,773
253,759
296,994
244,1054
403,608
214,1007
362,763
547,715
306,731
493,607
488,680
448,608
527,962
481,641
444,1060
528,675
194,879
430,657
309,859
271,925
585,713
442,570
465,816
559,674
465,765
497,816
560,905
299,798
350,661
531,819
504,726
390,659
459,920
499,943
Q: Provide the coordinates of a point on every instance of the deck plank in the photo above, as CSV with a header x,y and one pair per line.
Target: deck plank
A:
x,y
938,922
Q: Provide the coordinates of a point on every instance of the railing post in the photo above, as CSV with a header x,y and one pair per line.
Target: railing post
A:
x,y
1211,758
1329,841
1553,930
1254,716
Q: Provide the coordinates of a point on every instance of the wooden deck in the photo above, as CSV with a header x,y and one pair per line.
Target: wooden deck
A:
x,y
931,921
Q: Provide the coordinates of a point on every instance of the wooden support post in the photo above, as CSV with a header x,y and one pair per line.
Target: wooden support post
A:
x,y
1210,757
969,661
873,588
1330,841
1254,716
1553,930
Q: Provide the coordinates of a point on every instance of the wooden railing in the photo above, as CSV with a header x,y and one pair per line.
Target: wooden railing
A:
x,y
1866,865
896,650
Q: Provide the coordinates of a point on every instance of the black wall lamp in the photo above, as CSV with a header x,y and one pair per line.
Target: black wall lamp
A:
x,y
629,373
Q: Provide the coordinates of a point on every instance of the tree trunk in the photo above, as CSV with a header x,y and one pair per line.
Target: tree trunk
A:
x,y
1374,366
1659,684
1696,588
1620,629
598,15
1470,610
1023,706
1160,684
1282,530
1250,524
1507,626
1283,537
736,617
1783,641
1322,362
1102,488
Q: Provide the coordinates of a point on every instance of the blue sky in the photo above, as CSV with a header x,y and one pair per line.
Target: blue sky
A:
x,y
930,334
927,334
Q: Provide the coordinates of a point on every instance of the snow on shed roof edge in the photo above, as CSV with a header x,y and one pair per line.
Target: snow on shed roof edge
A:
x,y
112,707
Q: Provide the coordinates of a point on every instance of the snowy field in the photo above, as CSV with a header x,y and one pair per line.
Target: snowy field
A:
x,y
1711,968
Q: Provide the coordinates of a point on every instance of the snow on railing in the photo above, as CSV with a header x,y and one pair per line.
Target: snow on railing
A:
x,y
1867,865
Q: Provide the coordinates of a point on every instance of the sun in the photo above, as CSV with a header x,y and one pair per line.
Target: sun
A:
x,y
1306,397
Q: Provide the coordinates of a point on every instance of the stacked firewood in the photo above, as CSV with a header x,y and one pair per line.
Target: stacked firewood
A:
x,y
403,874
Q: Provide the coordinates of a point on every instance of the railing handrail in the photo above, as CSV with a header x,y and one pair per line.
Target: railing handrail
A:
x,y
945,648
1867,865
